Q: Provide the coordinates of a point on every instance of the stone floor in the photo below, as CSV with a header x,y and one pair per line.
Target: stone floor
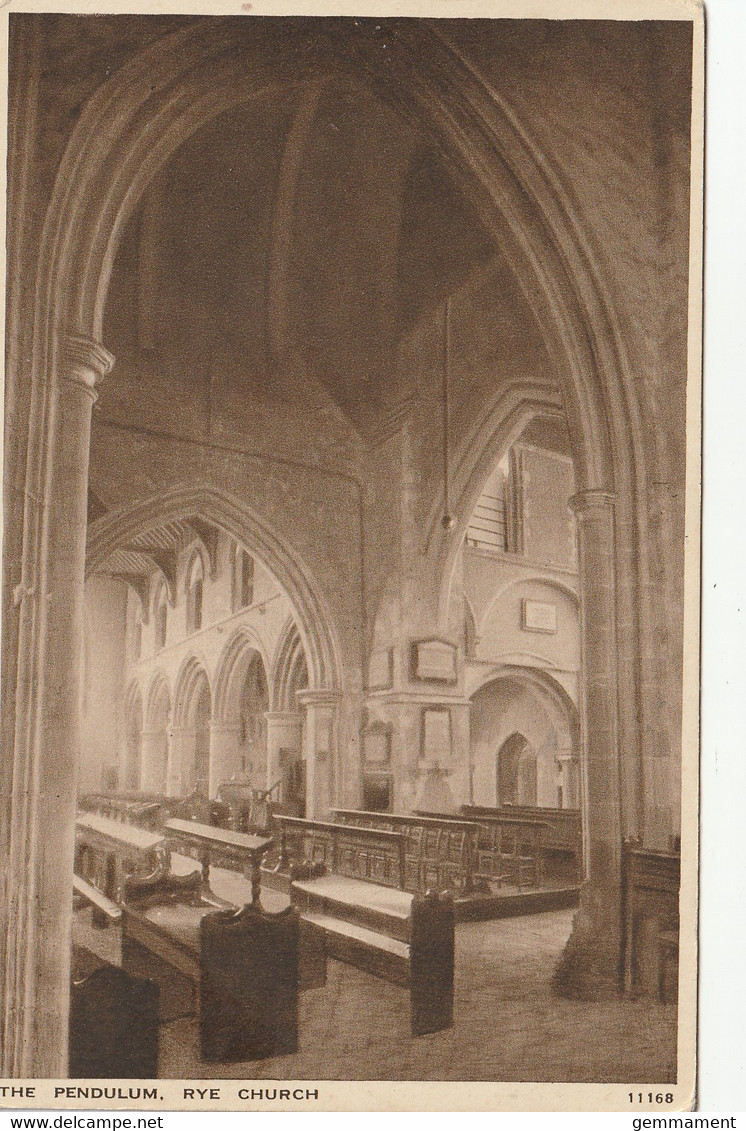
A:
x,y
509,1025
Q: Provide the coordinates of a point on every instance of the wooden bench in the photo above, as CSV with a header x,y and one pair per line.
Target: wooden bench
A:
x,y
147,811
651,921
108,852
113,1021
509,847
203,810
440,852
237,968
316,847
562,835
349,890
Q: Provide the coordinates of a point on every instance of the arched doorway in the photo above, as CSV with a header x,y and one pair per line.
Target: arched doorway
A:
x,y
524,732
516,772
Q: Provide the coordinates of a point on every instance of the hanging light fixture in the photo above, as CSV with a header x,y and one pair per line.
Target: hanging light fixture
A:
x,y
448,522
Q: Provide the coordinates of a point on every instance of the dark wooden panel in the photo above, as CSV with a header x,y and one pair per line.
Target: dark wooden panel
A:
x,y
249,984
113,1024
432,958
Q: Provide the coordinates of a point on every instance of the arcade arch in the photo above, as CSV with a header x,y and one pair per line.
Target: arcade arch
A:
x,y
189,767
156,738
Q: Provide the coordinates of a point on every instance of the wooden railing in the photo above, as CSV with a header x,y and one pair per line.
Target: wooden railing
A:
x,y
563,831
314,847
440,851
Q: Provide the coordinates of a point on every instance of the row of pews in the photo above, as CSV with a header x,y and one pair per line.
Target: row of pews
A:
x,y
375,890
184,950
420,851
238,806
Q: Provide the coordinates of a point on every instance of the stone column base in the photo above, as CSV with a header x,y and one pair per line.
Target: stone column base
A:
x,y
591,965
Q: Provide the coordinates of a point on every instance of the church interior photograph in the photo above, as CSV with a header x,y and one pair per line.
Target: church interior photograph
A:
x,y
345,484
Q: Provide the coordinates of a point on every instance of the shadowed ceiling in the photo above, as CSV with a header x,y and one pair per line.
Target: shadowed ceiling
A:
x,y
283,253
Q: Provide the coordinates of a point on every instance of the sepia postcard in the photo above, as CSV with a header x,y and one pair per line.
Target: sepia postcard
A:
x,y
351,534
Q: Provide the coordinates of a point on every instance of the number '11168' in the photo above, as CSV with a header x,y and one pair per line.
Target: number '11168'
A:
x,y
651,1098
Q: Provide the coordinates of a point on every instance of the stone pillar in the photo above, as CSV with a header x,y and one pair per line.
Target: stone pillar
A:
x,y
284,732
320,749
43,793
225,757
154,761
180,750
591,965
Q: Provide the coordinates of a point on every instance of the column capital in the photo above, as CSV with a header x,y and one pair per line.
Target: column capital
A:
x,y
221,727
318,697
594,499
84,362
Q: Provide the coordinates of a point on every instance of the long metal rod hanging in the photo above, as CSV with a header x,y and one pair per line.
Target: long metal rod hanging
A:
x,y
446,412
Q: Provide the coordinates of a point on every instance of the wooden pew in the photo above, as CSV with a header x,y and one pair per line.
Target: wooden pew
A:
x,y
651,921
350,891
509,847
316,847
147,811
237,968
108,852
113,1021
440,851
203,810
563,833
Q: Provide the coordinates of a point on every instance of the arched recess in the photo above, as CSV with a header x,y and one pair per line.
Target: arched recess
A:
x,y
133,737
530,703
189,766
241,703
289,670
156,735
516,772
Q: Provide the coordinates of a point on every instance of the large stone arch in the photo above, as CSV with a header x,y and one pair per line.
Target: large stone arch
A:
x,y
156,734
134,723
233,751
246,526
189,756
238,649
123,136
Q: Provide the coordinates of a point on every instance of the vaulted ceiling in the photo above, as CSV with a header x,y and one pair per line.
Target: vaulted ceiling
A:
x,y
283,253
